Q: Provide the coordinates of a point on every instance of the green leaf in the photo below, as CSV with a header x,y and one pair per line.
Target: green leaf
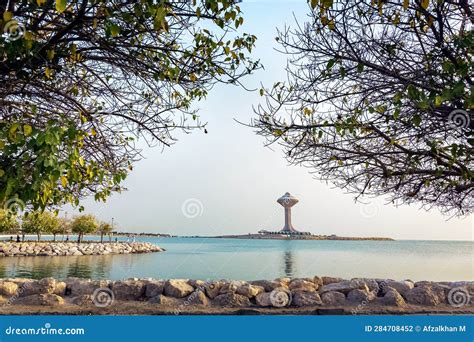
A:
x,y
416,120
7,16
342,70
330,64
412,92
114,30
27,129
278,132
50,54
396,113
12,131
61,5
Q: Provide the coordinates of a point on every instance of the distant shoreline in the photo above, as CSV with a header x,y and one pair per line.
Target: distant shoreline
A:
x,y
266,237
301,237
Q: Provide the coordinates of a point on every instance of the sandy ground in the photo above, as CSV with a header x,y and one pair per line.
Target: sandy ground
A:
x,y
143,308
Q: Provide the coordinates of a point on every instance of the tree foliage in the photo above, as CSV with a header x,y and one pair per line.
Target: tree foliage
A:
x,y
379,99
105,228
8,222
84,224
40,222
81,80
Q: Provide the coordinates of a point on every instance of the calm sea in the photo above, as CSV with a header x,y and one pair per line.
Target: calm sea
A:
x,y
207,258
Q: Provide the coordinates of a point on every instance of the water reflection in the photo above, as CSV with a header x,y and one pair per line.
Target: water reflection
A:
x,y
56,266
288,260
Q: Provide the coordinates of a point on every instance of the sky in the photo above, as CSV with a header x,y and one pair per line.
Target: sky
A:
x,y
227,181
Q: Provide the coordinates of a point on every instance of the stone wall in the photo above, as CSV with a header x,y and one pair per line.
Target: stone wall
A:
x,y
354,296
50,248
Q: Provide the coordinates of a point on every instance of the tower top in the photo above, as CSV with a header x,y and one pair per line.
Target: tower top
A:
x,y
287,200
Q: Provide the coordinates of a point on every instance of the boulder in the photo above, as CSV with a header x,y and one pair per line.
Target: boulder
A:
x,y
198,297
154,288
402,287
128,289
48,299
263,299
249,290
331,280
230,286
425,295
196,283
82,300
18,281
268,285
333,298
372,284
60,288
166,301
231,300
304,298
43,286
177,288
213,288
302,285
392,297
8,288
360,296
283,280
424,283
345,286
468,285
78,287
318,281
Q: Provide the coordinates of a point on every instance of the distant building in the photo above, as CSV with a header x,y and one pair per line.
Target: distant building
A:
x,y
288,201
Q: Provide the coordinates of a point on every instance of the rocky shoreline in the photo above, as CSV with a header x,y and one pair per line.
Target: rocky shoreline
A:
x,y
50,248
316,295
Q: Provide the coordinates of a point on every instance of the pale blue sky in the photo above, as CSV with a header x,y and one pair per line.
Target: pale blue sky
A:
x,y
234,180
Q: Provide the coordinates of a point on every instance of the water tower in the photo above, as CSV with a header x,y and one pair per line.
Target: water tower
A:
x,y
287,201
